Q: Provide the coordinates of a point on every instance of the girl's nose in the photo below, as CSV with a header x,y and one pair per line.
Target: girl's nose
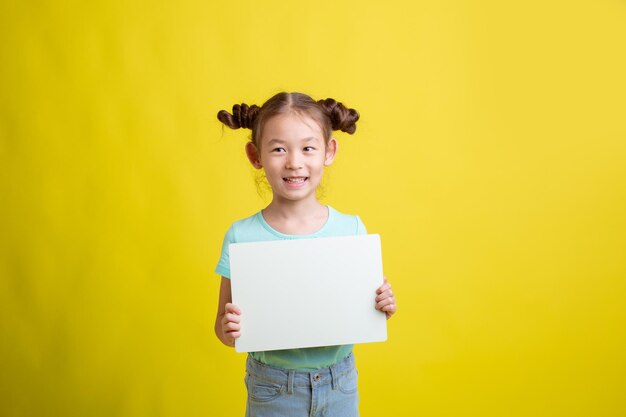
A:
x,y
293,162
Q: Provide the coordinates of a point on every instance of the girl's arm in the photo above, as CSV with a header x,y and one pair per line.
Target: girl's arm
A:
x,y
227,327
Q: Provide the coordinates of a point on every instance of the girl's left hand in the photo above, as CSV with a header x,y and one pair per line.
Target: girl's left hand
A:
x,y
385,301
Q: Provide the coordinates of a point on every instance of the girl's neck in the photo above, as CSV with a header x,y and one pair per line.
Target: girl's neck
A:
x,y
296,217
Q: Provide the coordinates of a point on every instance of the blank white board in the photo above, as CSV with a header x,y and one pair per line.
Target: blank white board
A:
x,y
307,292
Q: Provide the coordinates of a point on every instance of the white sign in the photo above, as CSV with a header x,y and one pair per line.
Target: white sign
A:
x,y
307,292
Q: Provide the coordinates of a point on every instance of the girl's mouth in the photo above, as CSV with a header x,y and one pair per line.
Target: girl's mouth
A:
x,y
295,181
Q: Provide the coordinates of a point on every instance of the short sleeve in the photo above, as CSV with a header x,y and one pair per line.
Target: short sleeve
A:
x,y
223,265
360,227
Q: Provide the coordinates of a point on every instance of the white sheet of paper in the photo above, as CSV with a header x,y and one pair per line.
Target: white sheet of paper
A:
x,y
307,292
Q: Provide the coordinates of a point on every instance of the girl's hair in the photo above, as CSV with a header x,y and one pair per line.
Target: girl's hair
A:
x,y
328,113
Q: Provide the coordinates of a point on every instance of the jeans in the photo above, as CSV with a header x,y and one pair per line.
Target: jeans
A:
x,y
325,392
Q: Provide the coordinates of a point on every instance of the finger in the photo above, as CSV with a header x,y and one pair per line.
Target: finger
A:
x,y
232,308
389,311
235,335
236,318
230,327
384,303
383,288
226,321
390,308
384,295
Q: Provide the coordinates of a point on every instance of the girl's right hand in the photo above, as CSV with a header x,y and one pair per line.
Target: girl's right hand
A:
x,y
230,324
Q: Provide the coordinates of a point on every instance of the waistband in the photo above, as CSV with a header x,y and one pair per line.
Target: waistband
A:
x,y
295,378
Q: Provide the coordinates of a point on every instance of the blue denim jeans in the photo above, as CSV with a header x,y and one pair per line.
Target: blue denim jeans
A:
x,y
325,392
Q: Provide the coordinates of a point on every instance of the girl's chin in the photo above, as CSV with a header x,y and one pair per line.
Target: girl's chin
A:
x,y
295,194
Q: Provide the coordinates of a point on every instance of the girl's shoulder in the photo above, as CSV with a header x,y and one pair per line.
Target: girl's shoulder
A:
x,y
241,229
246,221
345,224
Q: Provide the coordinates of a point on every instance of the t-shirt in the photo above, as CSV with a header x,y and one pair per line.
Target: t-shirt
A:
x,y
256,229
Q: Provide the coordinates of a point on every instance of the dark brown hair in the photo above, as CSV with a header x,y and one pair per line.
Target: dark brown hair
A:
x,y
328,113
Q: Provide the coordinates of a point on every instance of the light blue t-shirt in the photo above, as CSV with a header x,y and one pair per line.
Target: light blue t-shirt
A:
x,y
256,229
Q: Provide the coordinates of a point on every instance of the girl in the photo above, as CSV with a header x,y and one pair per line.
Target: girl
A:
x,y
292,141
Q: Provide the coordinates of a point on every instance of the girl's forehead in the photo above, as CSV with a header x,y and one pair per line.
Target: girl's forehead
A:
x,y
291,126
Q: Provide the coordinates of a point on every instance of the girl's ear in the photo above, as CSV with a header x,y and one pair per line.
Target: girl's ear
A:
x,y
331,151
253,155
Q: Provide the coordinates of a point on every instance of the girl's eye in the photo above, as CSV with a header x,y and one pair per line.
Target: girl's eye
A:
x,y
278,150
309,148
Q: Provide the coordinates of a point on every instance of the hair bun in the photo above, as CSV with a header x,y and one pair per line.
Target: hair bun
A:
x,y
341,117
242,118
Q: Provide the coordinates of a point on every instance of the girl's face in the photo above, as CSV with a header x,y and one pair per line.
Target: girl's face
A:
x,y
293,153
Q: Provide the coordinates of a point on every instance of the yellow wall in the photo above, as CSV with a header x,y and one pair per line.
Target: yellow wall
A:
x,y
490,156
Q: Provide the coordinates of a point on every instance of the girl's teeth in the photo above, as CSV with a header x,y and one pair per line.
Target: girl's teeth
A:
x,y
295,179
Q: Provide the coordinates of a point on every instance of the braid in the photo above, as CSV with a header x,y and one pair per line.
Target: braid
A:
x,y
243,116
341,117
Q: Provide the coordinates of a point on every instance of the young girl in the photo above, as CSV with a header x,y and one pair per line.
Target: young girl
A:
x,y
292,141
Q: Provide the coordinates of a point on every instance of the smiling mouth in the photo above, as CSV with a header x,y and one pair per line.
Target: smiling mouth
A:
x,y
295,180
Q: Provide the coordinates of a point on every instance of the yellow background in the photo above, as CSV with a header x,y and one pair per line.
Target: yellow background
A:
x,y
490,157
